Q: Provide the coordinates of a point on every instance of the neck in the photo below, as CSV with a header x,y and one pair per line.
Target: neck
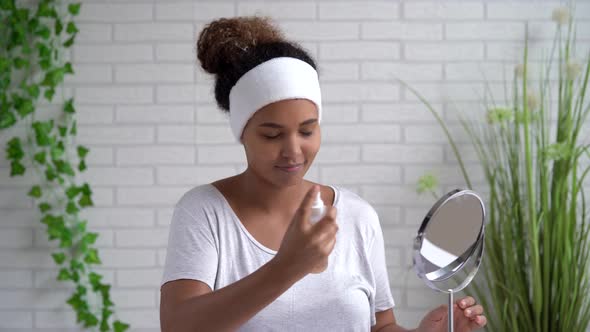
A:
x,y
269,197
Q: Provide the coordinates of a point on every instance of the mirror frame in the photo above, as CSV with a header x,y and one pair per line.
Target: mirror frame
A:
x,y
455,266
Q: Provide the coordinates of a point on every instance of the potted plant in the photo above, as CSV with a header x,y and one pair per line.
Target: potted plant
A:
x,y
536,274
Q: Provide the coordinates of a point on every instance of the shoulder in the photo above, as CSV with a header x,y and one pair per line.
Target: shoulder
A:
x,y
352,203
199,200
355,209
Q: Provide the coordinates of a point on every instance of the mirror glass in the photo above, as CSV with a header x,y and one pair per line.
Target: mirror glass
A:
x,y
450,234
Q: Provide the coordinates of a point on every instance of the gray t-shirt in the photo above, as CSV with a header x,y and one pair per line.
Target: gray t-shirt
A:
x,y
208,242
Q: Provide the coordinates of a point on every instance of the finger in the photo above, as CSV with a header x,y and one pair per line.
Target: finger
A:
x,y
306,204
466,302
473,311
478,322
328,220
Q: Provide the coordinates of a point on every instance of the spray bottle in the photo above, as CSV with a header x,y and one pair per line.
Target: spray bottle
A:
x,y
317,210
317,213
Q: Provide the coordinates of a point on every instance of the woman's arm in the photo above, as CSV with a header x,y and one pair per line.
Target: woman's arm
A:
x,y
227,308
386,323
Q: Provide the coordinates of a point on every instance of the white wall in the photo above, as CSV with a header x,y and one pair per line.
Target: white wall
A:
x,y
149,117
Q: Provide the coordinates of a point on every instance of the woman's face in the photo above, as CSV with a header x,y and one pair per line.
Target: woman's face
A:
x,y
282,139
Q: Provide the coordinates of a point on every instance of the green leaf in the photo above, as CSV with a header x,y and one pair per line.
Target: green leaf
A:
x,y
104,291
104,326
74,8
40,157
4,64
62,131
57,151
20,63
33,90
82,166
92,257
82,151
81,289
58,76
65,238
44,207
45,63
119,326
58,26
25,108
14,150
90,320
42,132
106,313
44,50
71,208
7,119
48,219
22,14
75,265
7,4
427,183
76,301
16,168
81,226
44,10
43,32
33,24
71,28
69,106
89,238
63,167
53,78
53,232
49,93
35,192
64,274
86,189
50,174
72,192
69,42
68,68
59,258
74,130
85,201
94,279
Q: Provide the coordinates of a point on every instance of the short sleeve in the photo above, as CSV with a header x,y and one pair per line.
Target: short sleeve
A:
x,y
383,298
191,252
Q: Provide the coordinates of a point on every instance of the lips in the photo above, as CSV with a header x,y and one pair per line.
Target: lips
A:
x,y
290,168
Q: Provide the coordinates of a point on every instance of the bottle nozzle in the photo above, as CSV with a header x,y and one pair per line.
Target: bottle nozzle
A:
x,y
318,201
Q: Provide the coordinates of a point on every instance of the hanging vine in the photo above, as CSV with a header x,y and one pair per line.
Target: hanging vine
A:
x,y
32,66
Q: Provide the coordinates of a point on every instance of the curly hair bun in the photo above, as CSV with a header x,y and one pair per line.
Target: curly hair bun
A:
x,y
222,42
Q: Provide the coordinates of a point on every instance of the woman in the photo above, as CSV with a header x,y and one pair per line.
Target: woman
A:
x,y
242,253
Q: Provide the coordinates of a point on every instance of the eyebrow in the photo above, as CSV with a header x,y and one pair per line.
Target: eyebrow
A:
x,y
274,125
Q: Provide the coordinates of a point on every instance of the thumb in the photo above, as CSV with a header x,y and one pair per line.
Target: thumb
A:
x,y
305,207
438,314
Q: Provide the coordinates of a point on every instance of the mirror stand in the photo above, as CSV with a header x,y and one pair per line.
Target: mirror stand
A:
x,y
451,317
451,240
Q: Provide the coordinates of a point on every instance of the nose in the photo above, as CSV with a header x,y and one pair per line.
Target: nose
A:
x,y
291,147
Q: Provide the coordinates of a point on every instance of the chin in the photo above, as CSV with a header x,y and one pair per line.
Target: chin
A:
x,y
288,179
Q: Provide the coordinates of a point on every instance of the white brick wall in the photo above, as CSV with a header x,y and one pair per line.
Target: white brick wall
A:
x,y
148,115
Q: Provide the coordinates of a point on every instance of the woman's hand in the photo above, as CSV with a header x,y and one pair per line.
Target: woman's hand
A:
x,y
468,316
305,247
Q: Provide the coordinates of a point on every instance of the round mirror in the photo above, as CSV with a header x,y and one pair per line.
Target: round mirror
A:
x,y
450,242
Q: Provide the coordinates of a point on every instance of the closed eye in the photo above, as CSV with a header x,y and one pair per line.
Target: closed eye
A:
x,y
306,134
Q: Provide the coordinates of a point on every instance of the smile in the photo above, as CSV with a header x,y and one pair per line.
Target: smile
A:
x,y
290,169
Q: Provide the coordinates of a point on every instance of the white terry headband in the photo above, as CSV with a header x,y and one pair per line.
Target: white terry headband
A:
x,y
271,81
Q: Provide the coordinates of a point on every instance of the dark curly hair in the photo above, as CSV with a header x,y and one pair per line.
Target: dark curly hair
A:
x,y
230,47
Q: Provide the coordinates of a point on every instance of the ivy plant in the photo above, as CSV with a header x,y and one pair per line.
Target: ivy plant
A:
x,y
34,38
